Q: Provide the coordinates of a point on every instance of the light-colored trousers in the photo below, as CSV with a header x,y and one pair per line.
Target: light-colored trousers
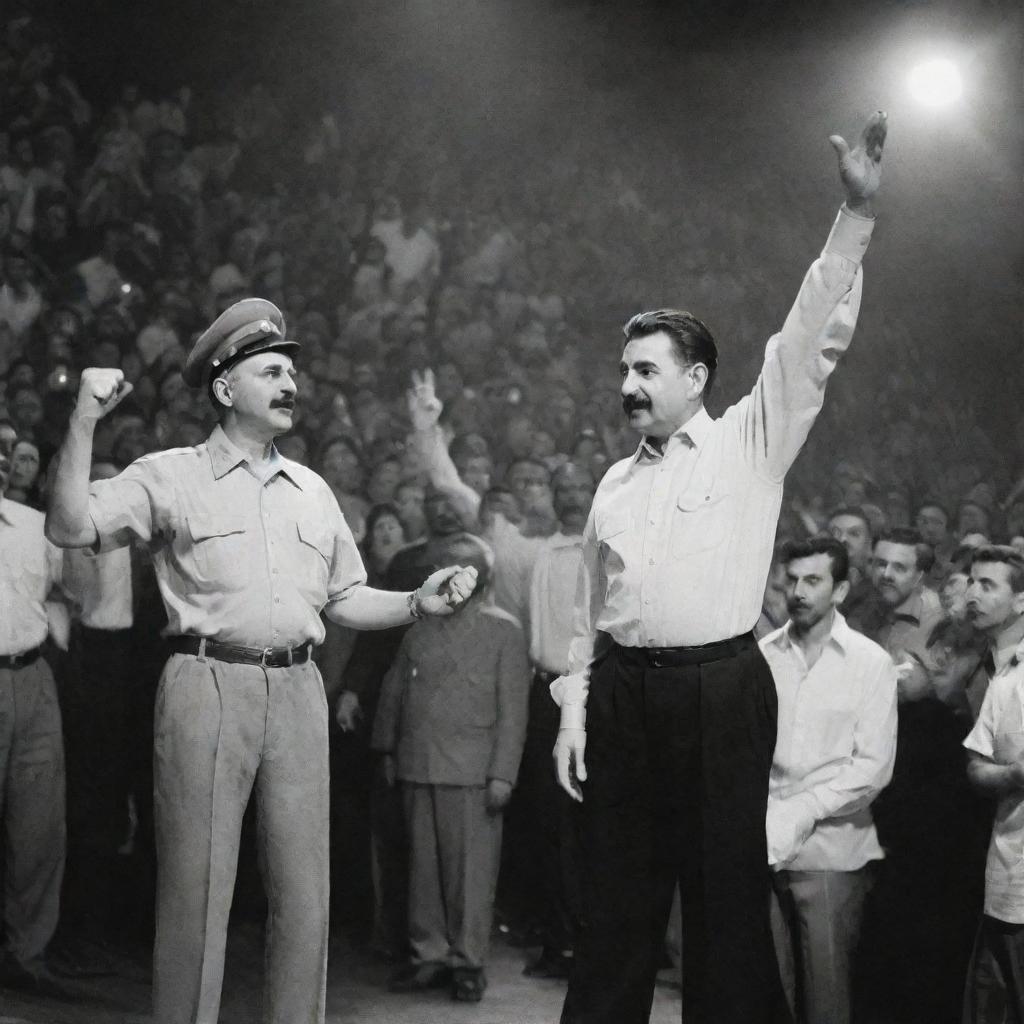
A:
x,y
222,730
32,798
454,850
816,919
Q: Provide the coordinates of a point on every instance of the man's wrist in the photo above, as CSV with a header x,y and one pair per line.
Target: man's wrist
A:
x,y
81,422
860,208
574,716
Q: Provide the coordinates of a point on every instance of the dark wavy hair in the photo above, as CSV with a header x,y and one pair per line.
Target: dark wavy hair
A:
x,y
692,341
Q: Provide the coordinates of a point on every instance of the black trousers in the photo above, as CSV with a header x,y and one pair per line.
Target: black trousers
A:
x,y
995,984
679,749
541,826
100,692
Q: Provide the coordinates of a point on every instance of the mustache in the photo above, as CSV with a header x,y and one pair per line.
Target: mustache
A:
x,y
796,606
632,402
283,403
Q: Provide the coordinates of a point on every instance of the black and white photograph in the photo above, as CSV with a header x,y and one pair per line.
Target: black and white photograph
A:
x,y
512,512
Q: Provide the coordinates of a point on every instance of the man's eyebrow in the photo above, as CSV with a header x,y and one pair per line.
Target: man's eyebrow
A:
x,y
640,364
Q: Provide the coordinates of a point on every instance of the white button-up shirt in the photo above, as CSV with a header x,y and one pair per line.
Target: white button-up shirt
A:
x,y
678,545
30,567
998,736
552,589
834,752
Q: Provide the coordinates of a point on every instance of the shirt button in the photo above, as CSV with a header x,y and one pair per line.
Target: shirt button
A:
x,y
650,561
650,522
277,600
274,571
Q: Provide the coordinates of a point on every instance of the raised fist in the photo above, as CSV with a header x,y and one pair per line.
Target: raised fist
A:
x,y
100,391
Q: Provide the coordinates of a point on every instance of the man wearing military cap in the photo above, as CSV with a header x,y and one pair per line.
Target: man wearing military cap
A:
x,y
248,547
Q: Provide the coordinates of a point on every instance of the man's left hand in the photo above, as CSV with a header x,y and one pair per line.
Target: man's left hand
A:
x,y
499,792
443,591
860,168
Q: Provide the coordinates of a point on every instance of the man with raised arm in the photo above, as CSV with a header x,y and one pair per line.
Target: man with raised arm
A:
x,y
248,548
668,713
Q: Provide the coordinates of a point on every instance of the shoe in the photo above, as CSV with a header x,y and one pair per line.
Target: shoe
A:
x,y
468,985
40,982
550,964
419,977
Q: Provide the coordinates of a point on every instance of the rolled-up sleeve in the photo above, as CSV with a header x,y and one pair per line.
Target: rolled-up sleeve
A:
x,y
346,566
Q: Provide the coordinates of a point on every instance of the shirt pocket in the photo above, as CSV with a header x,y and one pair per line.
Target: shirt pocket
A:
x,y
221,552
314,552
700,520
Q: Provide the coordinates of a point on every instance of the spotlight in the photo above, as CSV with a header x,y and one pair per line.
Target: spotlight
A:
x,y
935,83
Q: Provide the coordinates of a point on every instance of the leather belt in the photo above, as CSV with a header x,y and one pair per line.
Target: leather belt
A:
x,y
717,650
10,661
236,654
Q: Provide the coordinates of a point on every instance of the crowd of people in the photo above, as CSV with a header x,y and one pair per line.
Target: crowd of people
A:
x,y
452,384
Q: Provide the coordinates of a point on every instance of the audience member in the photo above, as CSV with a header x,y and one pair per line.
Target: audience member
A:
x,y
834,754
450,727
31,749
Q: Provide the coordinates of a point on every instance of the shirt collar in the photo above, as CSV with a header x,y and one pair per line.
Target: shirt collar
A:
x,y
839,634
911,610
693,433
1006,643
225,456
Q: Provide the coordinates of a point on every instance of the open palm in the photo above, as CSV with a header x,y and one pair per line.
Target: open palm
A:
x,y
860,168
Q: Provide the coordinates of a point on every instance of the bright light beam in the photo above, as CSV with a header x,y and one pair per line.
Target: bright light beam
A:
x,y
936,83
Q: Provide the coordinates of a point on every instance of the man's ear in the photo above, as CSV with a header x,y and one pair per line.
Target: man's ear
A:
x,y
839,592
699,376
222,391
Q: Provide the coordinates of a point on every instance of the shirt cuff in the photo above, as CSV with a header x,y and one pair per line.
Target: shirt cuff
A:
x,y
574,716
569,689
850,236
788,824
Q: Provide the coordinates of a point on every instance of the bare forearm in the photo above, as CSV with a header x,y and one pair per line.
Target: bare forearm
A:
x,y
67,520
368,608
994,779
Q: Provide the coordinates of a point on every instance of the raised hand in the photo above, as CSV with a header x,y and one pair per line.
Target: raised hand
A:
x,y
860,168
424,405
100,391
443,591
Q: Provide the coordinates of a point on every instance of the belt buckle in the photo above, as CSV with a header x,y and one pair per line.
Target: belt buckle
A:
x,y
266,652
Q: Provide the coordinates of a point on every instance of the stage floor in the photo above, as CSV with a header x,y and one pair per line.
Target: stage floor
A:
x,y
356,993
